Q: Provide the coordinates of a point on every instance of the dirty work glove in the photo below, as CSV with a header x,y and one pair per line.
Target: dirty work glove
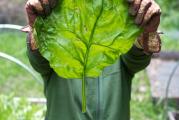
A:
x,y
147,15
36,8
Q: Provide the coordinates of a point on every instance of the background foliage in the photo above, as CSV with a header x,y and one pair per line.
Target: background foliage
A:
x,y
19,109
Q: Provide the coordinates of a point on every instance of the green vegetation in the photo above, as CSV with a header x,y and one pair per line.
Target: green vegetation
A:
x,y
85,45
13,109
169,24
14,79
170,16
142,107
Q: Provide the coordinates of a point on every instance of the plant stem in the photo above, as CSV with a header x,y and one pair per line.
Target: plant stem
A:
x,y
83,94
86,60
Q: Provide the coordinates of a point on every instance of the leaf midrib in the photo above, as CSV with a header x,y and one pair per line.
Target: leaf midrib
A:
x,y
90,39
85,62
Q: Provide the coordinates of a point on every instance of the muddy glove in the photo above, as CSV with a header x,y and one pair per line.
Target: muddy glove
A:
x,y
36,8
147,15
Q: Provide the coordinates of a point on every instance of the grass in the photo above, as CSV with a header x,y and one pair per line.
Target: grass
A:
x,y
12,77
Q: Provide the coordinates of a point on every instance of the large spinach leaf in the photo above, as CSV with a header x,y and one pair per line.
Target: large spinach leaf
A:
x,y
81,37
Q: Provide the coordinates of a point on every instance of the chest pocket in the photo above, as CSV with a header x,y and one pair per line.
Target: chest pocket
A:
x,y
112,70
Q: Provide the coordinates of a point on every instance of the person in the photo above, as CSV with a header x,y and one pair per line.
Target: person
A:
x,y
108,96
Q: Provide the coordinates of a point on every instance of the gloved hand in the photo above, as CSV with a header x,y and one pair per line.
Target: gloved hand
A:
x,y
36,8
147,15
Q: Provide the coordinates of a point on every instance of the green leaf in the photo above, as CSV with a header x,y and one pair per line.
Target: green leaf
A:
x,y
82,37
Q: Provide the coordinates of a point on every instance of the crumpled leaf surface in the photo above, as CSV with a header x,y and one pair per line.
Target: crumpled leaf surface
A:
x,y
82,37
